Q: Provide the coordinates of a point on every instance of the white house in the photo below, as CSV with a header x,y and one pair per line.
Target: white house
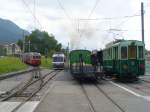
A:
x,y
11,49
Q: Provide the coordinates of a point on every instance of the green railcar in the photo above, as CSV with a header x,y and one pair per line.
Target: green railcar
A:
x,y
80,63
124,58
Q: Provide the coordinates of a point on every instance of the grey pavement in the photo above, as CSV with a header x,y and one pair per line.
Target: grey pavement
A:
x,y
66,95
128,101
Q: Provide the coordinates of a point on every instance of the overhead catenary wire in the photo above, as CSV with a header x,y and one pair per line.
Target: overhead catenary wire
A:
x,y
123,22
108,18
111,30
95,19
120,31
95,5
128,17
112,18
90,14
69,18
66,14
32,13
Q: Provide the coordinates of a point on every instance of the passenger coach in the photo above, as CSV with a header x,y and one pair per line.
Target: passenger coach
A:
x,y
124,58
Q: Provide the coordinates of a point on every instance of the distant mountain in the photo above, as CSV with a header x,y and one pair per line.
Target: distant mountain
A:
x,y
10,32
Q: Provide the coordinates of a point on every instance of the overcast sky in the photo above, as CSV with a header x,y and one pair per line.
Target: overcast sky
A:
x,y
82,23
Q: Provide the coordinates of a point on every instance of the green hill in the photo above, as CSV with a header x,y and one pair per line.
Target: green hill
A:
x,y
10,32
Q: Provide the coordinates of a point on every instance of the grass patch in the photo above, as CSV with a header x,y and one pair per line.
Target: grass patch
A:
x,y
11,64
46,63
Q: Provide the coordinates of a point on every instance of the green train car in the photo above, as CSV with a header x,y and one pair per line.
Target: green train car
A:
x,y
80,63
124,58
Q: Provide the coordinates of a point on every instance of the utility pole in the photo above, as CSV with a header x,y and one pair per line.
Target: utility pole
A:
x,y
142,20
68,55
23,42
78,26
46,54
29,45
68,50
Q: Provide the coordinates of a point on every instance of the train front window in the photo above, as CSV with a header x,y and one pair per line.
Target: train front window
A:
x,y
132,52
140,54
123,52
58,59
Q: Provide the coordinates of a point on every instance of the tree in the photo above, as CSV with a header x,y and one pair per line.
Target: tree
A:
x,y
39,42
20,44
58,47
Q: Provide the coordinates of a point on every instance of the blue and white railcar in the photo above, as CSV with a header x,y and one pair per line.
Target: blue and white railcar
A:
x,y
58,61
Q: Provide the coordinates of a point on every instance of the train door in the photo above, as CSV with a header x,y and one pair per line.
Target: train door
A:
x,y
132,59
124,61
141,60
81,63
115,61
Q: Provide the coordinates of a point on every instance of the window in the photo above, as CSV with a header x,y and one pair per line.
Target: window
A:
x,y
34,57
132,52
140,55
123,52
116,53
58,59
109,54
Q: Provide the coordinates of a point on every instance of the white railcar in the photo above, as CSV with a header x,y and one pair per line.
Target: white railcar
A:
x,y
58,61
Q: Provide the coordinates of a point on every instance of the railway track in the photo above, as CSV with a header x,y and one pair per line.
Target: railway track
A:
x,y
20,88
36,91
109,98
43,81
20,85
141,86
88,99
91,105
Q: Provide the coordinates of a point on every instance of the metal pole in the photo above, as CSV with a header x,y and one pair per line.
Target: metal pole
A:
x,y
29,45
68,55
142,20
23,42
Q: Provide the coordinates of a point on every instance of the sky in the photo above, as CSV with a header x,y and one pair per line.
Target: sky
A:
x,y
84,24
